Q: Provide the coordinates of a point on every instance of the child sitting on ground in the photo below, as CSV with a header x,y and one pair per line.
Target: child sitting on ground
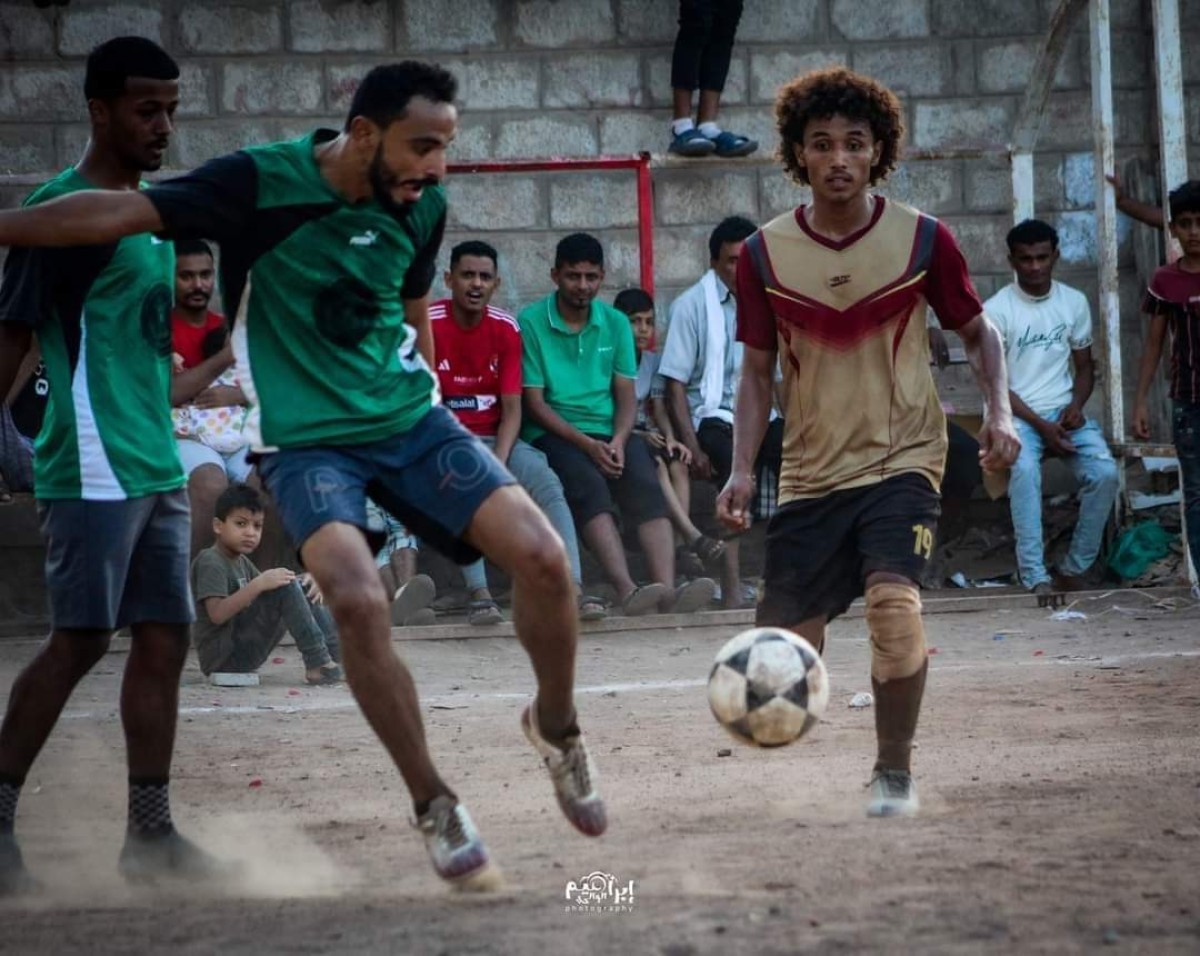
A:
x,y
654,425
242,613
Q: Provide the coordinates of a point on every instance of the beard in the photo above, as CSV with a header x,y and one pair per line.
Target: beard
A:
x,y
380,191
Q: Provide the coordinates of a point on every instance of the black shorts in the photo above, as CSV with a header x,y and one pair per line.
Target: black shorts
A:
x,y
820,550
589,493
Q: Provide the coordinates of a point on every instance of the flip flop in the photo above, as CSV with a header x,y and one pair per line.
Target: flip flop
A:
x,y
483,613
591,608
644,600
414,595
709,550
732,144
693,143
694,595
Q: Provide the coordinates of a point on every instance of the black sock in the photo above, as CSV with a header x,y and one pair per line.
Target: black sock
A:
x,y
421,807
10,792
149,806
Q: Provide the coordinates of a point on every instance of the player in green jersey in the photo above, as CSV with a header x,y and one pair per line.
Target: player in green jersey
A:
x,y
329,246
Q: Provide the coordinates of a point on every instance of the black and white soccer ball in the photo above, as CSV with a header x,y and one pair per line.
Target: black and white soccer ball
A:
x,y
768,687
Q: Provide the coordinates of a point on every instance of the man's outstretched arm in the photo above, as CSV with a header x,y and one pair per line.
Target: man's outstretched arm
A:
x,y
86,218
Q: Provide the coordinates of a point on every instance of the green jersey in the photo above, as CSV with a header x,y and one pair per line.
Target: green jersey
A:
x,y
576,368
102,318
316,285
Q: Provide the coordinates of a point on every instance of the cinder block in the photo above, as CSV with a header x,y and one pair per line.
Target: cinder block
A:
x,y
474,140
231,28
1192,111
196,91
705,197
658,79
47,92
26,148
525,261
83,28
342,81
931,186
1007,67
631,131
590,201
642,23
472,25
923,69
25,31
872,20
987,184
584,80
622,262
1079,180
491,202
560,23
680,258
981,239
69,142
1132,62
196,143
770,70
328,26
778,193
779,21
963,123
492,83
256,86
957,18
569,135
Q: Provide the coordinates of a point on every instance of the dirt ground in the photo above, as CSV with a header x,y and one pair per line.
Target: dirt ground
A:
x,y
1059,770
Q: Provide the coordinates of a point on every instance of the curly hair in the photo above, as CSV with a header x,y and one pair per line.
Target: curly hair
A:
x,y
838,91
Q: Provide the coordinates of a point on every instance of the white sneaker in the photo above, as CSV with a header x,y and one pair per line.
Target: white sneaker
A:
x,y
893,794
453,843
573,775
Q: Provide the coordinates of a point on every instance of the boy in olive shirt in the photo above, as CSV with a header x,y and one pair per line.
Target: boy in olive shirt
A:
x,y
242,613
579,367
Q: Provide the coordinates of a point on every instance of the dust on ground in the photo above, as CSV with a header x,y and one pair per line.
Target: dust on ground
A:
x,y
1058,767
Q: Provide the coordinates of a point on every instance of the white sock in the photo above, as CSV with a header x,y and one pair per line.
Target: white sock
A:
x,y
709,129
681,126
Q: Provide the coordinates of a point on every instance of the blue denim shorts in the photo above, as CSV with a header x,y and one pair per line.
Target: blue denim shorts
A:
x,y
433,478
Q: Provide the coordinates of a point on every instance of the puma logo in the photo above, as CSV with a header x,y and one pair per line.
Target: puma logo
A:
x,y
836,281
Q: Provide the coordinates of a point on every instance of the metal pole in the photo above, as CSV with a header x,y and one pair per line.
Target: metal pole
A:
x,y
1022,186
645,201
1106,214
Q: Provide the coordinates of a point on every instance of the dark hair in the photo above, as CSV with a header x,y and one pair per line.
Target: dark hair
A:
x,y
838,92
192,247
630,301
238,495
1029,232
730,229
113,62
474,247
383,95
213,341
1184,198
578,247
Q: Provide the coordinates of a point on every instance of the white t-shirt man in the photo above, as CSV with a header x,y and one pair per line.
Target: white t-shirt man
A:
x,y
1039,335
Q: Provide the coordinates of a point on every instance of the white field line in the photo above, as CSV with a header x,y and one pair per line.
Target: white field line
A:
x,y
458,701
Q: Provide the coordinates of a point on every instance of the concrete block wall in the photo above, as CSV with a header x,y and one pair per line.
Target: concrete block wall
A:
x,y
590,77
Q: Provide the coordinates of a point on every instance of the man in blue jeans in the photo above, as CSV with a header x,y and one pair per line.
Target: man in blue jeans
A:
x,y
1047,332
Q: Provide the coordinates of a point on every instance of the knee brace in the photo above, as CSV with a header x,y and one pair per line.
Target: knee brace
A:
x,y
897,634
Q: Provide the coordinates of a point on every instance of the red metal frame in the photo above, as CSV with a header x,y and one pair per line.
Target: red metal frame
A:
x,y
559,164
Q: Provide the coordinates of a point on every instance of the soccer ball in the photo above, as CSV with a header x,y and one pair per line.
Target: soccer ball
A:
x,y
768,687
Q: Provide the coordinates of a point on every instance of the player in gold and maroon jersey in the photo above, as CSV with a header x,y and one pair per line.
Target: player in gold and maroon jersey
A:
x,y
839,289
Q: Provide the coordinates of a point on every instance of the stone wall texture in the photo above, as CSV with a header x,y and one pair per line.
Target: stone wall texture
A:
x,y
591,77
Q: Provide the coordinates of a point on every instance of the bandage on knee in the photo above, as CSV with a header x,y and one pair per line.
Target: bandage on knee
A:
x,y
897,633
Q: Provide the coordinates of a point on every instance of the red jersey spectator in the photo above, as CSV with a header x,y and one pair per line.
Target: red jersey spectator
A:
x,y
191,319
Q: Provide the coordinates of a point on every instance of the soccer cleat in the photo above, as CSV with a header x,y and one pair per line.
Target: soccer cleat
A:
x,y
893,794
168,855
14,878
574,777
454,845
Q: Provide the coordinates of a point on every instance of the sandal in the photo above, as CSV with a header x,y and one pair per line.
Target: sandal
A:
x,y
693,596
644,600
709,550
732,144
484,613
330,674
591,608
692,143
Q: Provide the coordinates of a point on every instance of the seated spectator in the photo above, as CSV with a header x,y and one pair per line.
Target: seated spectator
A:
x,y
242,613
653,424
21,415
478,351
1047,332
579,370
199,385
701,365
412,593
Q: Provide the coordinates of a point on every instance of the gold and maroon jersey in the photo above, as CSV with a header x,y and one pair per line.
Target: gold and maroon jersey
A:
x,y
848,320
